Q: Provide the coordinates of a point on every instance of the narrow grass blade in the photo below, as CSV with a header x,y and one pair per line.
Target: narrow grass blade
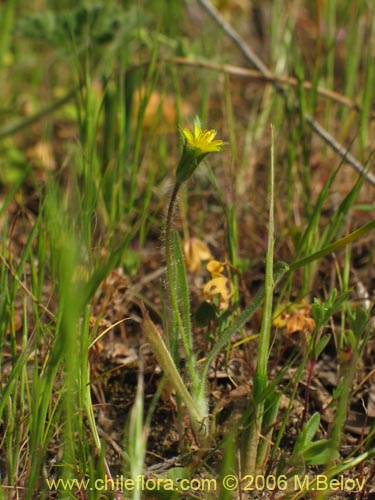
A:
x,y
334,247
251,461
281,269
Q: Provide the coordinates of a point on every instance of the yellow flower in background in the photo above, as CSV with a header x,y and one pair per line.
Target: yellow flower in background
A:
x,y
197,145
294,317
215,268
195,251
202,141
219,285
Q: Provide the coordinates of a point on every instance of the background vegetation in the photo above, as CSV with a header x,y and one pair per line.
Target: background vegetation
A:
x,y
93,98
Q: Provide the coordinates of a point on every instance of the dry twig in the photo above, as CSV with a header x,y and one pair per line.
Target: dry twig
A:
x,y
258,63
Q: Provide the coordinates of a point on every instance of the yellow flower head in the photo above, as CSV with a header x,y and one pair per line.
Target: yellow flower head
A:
x,y
195,251
197,145
215,268
202,141
219,285
294,317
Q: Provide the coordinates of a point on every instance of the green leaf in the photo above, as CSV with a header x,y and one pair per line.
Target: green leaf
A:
x,y
177,473
311,427
307,435
181,285
321,345
358,321
319,453
306,451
